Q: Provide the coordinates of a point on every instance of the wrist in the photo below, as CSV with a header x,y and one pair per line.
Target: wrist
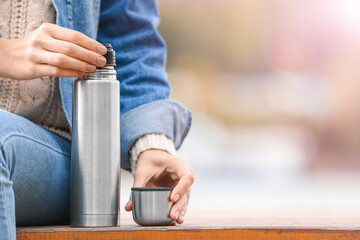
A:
x,y
3,46
157,142
5,58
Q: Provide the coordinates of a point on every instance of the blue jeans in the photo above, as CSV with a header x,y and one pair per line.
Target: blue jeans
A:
x,y
34,175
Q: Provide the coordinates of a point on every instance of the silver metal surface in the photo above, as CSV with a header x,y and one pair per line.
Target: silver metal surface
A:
x,y
95,163
151,206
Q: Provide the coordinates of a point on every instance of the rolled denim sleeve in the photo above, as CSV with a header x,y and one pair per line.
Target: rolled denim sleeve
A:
x,y
131,27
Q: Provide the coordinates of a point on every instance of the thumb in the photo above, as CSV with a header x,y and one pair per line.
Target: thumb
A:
x,y
139,181
128,206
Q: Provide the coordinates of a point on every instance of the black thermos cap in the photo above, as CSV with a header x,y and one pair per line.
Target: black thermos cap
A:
x,y
109,55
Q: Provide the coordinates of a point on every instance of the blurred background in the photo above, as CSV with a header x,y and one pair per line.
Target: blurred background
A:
x,y
274,90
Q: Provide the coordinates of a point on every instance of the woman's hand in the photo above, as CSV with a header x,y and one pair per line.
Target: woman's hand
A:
x,y
156,168
50,50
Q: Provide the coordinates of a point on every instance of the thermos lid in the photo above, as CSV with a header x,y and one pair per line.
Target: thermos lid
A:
x,y
109,55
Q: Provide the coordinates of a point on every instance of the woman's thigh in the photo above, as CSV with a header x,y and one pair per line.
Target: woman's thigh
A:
x,y
38,162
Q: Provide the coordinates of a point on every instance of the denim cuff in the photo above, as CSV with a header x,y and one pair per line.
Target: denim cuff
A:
x,y
166,117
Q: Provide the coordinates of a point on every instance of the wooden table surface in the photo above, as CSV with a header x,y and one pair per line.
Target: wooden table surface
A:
x,y
218,226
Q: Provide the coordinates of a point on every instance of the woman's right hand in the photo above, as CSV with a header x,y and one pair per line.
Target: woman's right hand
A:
x,y
50,50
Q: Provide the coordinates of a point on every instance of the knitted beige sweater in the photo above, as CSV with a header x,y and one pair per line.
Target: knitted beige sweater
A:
x,y
38,99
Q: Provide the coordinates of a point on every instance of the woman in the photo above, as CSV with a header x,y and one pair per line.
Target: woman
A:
x,y
45,45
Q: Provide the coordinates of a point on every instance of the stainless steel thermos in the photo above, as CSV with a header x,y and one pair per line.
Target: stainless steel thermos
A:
x,y
95,157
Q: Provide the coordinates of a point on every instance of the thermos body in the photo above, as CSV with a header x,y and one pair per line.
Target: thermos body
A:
x,y
95,163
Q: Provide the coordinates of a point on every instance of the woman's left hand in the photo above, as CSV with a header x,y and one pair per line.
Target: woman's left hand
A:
x,y
157,168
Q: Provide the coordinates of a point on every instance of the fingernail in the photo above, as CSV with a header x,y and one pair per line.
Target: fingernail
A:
x,y
182,217
101,49
177,196
177,214
90,68
101,61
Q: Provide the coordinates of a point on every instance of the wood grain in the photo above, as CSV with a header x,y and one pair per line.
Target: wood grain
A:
x,y
206,226
213,233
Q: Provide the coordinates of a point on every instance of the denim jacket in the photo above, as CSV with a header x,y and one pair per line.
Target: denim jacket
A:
x,y
130,26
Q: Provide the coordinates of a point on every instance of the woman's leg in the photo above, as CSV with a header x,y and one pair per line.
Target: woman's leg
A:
x,y
35,167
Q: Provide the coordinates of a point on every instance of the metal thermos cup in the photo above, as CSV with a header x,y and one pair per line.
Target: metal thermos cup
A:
x,y
95,156
151,206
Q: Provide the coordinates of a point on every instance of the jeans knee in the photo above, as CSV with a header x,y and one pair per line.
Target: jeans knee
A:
x,y
8,122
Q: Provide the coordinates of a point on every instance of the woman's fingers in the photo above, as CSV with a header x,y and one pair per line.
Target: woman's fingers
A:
x,y
78,54
180,195
63,61
71,43
183,186
178,210
73,36
74,51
